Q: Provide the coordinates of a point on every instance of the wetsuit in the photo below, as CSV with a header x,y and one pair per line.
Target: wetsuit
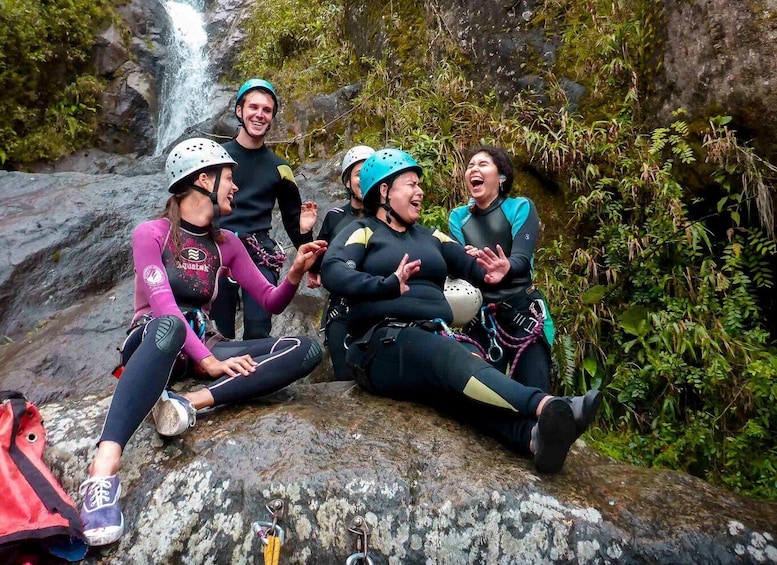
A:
x,y
166,338
394,350
334,318
262,179
514,224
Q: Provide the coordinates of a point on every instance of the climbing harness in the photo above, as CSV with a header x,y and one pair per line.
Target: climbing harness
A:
x,y
487,320
271,533
361,529
445,330
498,337
274,261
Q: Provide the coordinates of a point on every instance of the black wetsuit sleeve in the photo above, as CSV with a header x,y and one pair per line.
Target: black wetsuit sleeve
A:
x,y
326,233
341,271
290,205
462,266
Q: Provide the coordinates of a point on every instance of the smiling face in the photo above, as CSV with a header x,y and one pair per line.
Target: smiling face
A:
x,y
226,191
256,111
353,180
405,196
482,179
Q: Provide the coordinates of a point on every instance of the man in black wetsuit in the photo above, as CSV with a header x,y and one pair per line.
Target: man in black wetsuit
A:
x,y
263,178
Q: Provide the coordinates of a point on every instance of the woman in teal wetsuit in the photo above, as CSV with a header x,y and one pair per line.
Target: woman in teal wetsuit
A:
x,y
515,328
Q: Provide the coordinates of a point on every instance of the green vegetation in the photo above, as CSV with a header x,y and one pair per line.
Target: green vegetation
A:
x,y
48,104
663,293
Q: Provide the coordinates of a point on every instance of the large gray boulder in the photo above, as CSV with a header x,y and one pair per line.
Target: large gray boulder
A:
x,y
432,490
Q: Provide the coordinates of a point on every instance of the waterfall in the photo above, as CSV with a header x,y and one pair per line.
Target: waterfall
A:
x,y
187,86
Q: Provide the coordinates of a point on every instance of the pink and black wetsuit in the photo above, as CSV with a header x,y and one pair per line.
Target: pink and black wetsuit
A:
x,y
170,285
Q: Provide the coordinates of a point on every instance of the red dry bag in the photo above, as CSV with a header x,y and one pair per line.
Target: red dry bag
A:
x,y
37,517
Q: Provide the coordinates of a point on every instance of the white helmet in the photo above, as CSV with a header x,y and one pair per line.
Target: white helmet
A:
x,y
464,299
192,155
355,155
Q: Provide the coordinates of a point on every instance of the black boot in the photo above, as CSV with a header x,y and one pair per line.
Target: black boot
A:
x,y
584,409
553,435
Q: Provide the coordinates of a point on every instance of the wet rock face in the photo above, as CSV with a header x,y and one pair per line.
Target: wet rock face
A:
x,y
66,277
432,490
720,58
129,105
507,52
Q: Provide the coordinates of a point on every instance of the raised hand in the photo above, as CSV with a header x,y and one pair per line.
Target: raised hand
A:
x,y
496,264
405,270
308,216
304,259
472,250
314,280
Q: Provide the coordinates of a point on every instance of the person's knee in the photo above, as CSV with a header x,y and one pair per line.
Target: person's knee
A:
x,y
169,334
313,354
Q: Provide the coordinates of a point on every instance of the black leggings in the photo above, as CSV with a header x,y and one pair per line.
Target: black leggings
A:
x,y
414,364
158,345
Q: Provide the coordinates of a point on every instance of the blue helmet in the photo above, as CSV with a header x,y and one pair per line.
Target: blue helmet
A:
x,y
257,84
382,164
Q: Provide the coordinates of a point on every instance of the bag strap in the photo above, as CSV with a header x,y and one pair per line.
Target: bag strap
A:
x,y
8,394
40,484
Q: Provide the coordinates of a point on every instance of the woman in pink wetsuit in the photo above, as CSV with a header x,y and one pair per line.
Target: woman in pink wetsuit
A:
x,y
178,260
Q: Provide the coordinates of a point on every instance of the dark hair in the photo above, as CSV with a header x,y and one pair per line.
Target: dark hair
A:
x,y
371,202
502,161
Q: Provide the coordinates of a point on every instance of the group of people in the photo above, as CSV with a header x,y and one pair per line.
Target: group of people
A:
x,y
387,320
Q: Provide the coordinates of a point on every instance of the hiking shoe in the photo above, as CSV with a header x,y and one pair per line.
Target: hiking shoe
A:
x,y
553,435
584,409
101,513
173,414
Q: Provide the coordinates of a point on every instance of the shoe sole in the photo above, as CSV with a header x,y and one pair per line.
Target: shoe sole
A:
x,y
170,417
555,435
104,536
592,401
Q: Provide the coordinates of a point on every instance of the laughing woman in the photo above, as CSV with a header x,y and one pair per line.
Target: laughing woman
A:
x,y
515,327
178,260
392,272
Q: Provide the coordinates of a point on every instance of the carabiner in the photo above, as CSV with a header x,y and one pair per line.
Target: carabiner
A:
x,y
267,529
359,558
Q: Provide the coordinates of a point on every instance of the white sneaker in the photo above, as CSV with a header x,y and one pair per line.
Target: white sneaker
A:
x,y
173,414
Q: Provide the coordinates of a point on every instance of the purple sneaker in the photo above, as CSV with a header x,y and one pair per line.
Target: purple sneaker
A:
x,y
173,414
101,513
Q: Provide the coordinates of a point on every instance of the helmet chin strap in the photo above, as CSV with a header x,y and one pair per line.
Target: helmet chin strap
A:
x,y
214,198
392,215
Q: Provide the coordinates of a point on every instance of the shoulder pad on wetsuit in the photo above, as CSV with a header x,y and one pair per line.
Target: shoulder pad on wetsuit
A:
x,y
286,173
360,236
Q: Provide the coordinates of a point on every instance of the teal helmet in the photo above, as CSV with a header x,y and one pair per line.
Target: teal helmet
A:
x,y
257,84
382,164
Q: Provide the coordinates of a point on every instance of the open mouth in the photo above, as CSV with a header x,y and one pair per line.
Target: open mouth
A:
x,y
416,204
476,181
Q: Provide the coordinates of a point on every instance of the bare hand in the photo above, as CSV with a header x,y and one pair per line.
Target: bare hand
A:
x,y
314,280
308,216
405,270
495,264
472,250
305,258
232,367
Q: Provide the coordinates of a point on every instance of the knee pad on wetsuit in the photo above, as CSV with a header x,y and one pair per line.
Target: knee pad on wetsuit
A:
x,y
169,333
314,355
